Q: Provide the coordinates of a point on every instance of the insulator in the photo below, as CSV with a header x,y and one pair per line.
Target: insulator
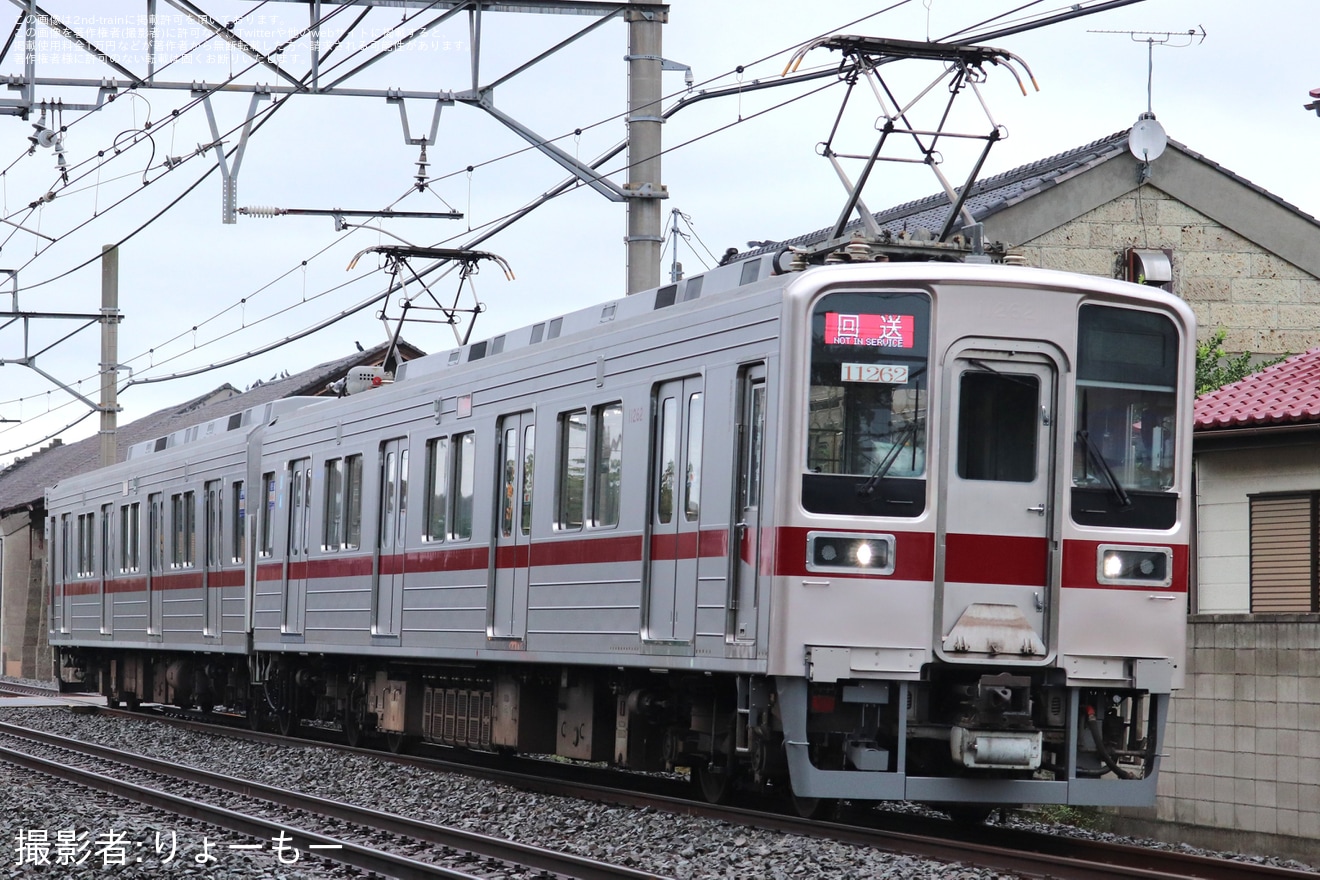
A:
x,y
262,211
858,250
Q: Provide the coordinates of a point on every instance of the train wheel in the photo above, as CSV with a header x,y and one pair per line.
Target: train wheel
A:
x,y
396,742
713,783
968,814
355,719
286,721
811,807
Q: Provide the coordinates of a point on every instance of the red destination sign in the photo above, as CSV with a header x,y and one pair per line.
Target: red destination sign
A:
x,y
883,331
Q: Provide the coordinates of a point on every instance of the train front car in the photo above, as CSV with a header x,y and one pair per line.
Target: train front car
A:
x,y
981,574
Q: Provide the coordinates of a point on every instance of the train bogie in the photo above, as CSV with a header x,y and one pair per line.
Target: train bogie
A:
x,y
869,531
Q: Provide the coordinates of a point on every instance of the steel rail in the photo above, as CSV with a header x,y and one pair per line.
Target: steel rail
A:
x,y
366,858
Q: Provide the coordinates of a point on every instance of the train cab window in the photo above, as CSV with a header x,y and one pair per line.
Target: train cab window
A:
x,y
130,519
866,408
437,489
268,514
571,470
1123,447
183,529
238,526
465,481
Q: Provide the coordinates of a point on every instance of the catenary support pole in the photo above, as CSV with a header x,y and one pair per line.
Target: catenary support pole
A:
x,y
644,121
109,352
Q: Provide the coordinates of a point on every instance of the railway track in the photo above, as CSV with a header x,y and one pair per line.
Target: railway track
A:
x,y
392,846
1004,849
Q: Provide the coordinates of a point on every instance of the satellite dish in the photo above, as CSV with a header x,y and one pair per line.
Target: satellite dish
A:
x,y
1147,139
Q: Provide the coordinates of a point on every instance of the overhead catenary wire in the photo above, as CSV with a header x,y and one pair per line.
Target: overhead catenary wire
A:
x,y
496,220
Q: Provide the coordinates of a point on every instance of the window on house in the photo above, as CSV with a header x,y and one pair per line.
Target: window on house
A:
x,y
1284,553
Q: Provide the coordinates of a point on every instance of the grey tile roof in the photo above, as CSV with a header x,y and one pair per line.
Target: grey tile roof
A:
x,y
25,481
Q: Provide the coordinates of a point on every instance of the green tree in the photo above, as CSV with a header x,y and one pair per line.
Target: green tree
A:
x,y
1215,368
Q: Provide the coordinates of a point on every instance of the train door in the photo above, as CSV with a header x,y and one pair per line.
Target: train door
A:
x,y
295,561
104,569
387,594
746,545
675,511
997,521
212,517
507,615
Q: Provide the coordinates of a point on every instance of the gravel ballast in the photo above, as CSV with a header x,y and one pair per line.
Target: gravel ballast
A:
x,y
663,843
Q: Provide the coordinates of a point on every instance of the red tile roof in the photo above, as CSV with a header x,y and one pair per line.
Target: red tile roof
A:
x,y
1287,393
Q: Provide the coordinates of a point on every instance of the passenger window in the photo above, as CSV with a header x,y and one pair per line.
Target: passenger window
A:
x,y
353,502
465,479
437,494
334,504
571,476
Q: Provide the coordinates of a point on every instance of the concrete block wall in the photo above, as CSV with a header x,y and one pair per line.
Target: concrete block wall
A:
x,y
1266,304
1240,764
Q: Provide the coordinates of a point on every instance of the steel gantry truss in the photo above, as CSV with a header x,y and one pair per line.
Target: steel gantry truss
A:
x,y
641,190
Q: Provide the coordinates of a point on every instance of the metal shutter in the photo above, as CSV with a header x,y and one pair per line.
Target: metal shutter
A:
x,y
1282,574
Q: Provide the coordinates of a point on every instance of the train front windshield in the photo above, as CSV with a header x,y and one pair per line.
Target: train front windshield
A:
x,y
866,428
1123,451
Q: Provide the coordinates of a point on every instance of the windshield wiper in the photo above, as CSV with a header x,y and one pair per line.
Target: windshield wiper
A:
x,y
1120,494
909,432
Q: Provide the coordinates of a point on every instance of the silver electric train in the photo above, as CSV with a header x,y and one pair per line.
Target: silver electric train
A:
x,y
868,531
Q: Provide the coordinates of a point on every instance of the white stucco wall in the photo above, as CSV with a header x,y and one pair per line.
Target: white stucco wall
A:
x,y
1223,481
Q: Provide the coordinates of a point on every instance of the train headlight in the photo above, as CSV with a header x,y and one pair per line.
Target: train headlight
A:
x,y
850,553
1126,565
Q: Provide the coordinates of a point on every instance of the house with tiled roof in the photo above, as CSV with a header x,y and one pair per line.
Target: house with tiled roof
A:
x,y
24,651
1258,479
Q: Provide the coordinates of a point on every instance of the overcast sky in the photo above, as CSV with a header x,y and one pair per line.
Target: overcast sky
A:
x,y
741,168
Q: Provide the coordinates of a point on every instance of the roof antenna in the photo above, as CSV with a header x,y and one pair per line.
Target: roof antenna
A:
x,y
1146,139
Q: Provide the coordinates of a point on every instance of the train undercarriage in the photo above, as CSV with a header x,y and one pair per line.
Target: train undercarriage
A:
x,y
943,739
